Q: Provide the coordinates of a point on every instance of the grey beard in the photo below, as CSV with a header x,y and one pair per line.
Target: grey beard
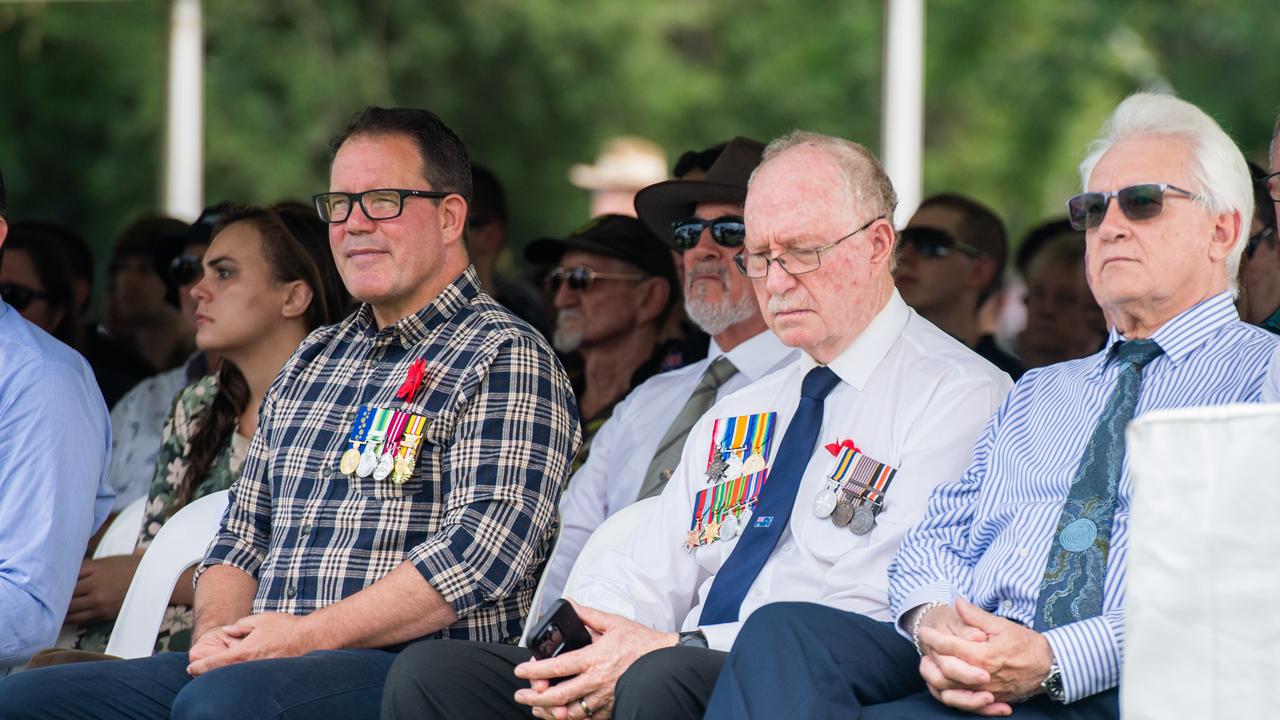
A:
x,y
715,318
569,331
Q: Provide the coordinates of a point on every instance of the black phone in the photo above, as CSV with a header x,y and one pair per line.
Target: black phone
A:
x,y
560,631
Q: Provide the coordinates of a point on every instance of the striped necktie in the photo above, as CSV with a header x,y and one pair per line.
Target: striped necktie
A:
x,y
668,454
1076,570
773,509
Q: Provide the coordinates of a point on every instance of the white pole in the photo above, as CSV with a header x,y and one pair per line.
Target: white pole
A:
x,y
902,120
184,112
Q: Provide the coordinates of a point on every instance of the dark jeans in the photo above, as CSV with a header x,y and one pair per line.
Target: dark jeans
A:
x,y
809,661
328,684
454,680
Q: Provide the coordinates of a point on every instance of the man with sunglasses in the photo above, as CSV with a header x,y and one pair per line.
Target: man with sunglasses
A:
x,y
54,446
950,264
613,288
798,486
1008,597
636,452
401,483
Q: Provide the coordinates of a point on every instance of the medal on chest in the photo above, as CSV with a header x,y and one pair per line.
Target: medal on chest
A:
x,y
853,495
359,429
737,469
387,460
372,446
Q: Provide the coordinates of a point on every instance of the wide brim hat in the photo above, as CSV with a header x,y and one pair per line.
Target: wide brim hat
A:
x,y
665,203
627,162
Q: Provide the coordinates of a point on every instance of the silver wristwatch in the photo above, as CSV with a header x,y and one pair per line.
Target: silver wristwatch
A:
x,y
1052,685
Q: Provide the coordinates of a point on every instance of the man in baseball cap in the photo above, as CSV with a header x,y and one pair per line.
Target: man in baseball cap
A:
x,y
612,288
951,262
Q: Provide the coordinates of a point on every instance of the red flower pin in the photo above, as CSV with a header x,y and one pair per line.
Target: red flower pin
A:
x,y
412,380
835,447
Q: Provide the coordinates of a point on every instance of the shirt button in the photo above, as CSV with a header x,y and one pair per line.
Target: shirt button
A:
x,y
757,593
306,529
291,591
1023,552
1007,604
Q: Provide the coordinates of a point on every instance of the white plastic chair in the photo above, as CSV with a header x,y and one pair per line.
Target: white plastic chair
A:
x,y
1203,540
614,530
180,544
121,536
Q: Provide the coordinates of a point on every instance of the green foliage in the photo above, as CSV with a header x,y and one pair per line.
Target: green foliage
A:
x,y
1014,90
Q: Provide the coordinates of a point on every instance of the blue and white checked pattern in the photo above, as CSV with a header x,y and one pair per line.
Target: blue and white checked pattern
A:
x,y
986,537
478,515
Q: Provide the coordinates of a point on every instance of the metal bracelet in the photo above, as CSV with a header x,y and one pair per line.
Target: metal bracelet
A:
x,y
915,622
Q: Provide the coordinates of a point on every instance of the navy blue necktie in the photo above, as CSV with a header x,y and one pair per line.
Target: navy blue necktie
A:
x,y
773,508
1076,571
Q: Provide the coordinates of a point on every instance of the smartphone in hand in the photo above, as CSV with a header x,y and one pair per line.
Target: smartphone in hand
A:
x,y
560,631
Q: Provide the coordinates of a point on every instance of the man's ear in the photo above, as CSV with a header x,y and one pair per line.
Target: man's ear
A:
x,y
982,271
654,293
881,238
1226,230
453,217
297,300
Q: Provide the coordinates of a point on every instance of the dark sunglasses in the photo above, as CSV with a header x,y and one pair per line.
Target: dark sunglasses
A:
x,y
582,278
186,269
934,244
728,231
20,296
1137,202
1251,245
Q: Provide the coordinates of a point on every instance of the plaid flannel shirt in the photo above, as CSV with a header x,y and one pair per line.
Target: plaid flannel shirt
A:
x,y
478,516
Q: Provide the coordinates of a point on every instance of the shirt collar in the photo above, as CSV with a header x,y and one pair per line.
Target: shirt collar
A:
x,y
756,356
864,354
1183,334
412,329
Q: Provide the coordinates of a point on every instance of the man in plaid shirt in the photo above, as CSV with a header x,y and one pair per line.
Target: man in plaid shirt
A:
x,y
318,576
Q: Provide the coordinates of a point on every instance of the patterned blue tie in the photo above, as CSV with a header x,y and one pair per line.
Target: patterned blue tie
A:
x,y
773,509
1077,567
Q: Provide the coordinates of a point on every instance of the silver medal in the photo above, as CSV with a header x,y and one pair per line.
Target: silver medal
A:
x,y
383,469
728,527
368,461
825,503
864,518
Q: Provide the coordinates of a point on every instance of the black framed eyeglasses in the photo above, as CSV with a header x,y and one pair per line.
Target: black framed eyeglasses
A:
x,y
20,296
797,261
582,278
728,231
380,204
1272,184
186,269
936,244
1256,239
1137,202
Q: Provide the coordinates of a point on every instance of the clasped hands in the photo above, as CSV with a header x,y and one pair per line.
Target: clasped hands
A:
x,y
592,671
979,662
254,637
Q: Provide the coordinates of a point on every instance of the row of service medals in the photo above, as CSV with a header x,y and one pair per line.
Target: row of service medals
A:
x,y
383,443
854,493
739,476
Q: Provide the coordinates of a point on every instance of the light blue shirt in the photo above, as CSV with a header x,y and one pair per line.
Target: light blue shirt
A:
x,y
986,537
55,443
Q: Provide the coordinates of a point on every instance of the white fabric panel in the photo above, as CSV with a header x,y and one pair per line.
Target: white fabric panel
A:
x,y
1202,636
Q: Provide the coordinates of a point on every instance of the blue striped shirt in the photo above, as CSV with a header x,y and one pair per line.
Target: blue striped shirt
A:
x,y
986,537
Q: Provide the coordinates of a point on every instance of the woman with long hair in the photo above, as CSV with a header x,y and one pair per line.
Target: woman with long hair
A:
x,y
269,280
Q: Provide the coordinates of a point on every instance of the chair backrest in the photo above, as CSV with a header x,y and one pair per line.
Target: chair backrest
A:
x,y
614,530
1203,540
121,536
180,544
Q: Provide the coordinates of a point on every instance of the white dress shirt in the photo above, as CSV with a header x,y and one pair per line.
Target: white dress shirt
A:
x,y
625,445
910,396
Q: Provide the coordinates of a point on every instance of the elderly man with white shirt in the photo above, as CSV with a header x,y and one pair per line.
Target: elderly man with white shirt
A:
x,y
1009,596
798,487
636,451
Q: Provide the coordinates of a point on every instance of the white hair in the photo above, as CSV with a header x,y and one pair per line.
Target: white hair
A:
x,y
1217,165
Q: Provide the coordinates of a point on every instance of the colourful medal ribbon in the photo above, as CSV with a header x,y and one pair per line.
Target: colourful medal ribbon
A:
x,y
407,448
395,431
378,431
